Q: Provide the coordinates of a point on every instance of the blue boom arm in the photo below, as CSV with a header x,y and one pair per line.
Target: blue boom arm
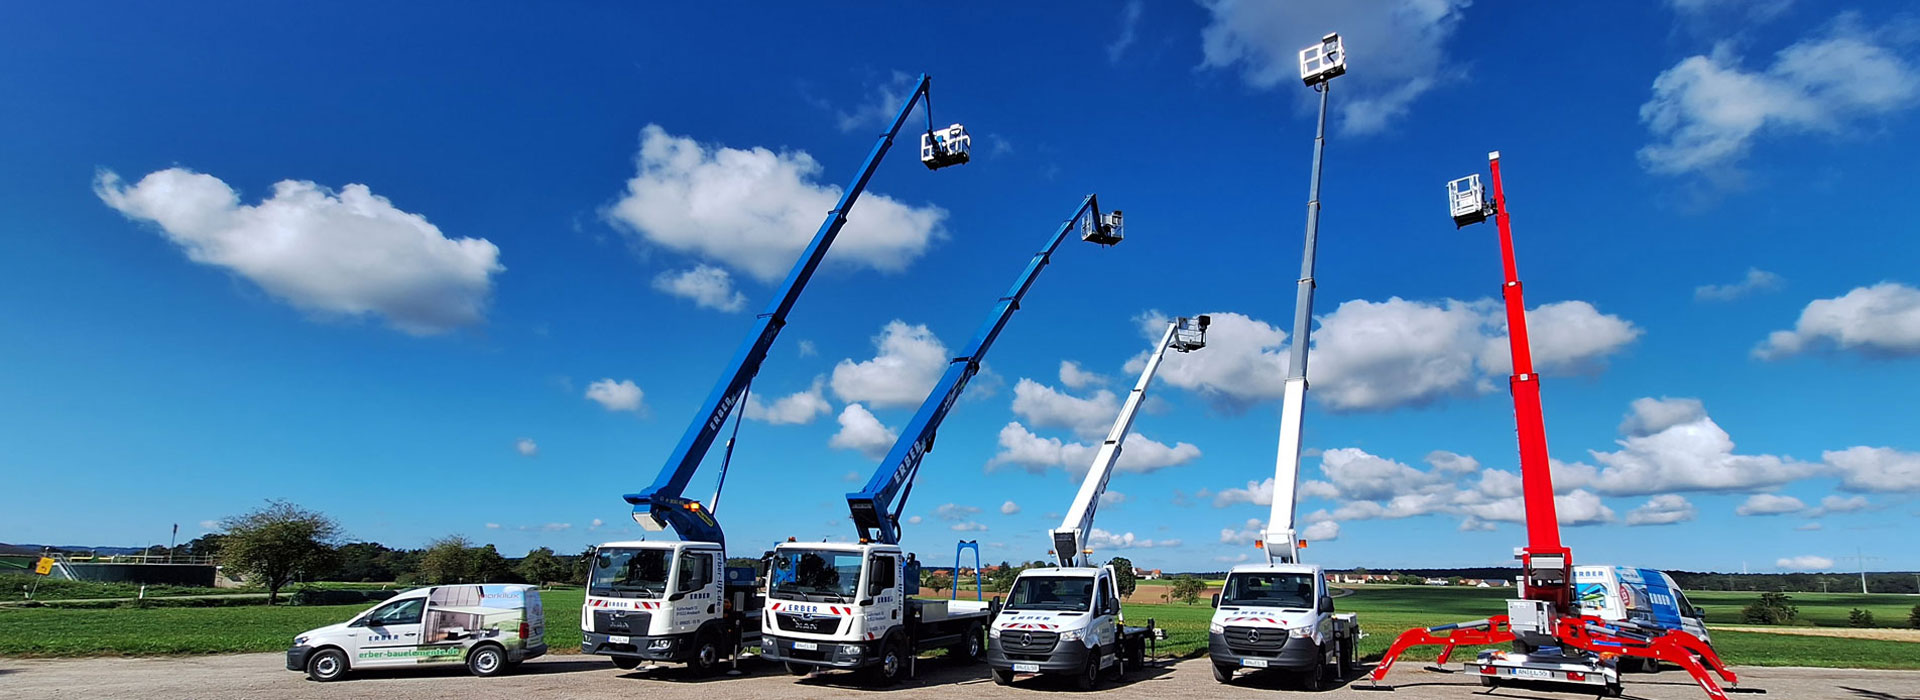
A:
x,y
664,505
876,508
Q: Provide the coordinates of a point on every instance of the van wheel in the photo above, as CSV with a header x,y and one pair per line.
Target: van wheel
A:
x,y
1222,672
486,660
706,654
626,663
327,665
968,650
1313,679
1002,676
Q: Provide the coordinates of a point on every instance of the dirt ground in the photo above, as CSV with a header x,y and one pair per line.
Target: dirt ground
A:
x,y
573,676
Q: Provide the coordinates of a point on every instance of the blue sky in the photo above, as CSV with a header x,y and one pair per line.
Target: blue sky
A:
x,y
436,270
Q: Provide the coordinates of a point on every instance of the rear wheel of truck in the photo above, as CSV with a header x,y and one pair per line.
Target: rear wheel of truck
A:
x,y
706,654
626,663
969,648
1002,676
1089,677
327,665
1223,672
486,660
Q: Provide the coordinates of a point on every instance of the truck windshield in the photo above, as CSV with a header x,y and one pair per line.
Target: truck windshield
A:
x,y
1273,590
630,573
813,574
1051,593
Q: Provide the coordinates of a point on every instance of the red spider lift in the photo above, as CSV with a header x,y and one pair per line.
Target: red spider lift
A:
x,y
1551,641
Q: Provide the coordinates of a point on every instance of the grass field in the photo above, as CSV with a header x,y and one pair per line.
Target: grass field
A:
x,y
1384,612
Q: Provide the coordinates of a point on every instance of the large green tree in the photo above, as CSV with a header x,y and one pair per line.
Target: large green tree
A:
x,y
1123,575
279,542
1187,588
541,566
455,559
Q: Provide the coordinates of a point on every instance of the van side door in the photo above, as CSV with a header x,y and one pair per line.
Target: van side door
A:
x,y
1106,611
390,634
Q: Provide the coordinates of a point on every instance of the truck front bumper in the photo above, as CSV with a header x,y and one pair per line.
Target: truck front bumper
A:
x,y
1297,654
671,647
1066,657
823,654
297,658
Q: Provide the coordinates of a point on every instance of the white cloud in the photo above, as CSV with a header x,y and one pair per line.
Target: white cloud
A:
x,y
1044,406
347,253
622,395
549,527
1579,507
1232,558
595,525
1446,462
210,525
1646,416
798,408
808,349
526,447
1254,529
1753,10
1398,47
1111,498
1808,527
1706,111
881,105
1664,509
915,520
1138,453
1244,362
1881,320
1770,504
955,512
909,362
1072,375
493,526
1101,539
1688,452
1362,476
969,527
1009,508
1807,562
707,286
754,210
1837,504
1129,24
1875,469
861,432
1757,280
1323,531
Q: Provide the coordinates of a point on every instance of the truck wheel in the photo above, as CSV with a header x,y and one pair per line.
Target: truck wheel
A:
x,y
794,669
486,660
1089,677
968,650
706,654
1002,676
327,665
893,664
626,663
1222,672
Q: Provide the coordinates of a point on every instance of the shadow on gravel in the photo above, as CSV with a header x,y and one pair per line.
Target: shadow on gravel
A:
x,y
751,667
1877,695
530,668
1064,684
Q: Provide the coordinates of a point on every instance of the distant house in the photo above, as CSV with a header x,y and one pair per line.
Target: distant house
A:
x,y
1436,582
1148,574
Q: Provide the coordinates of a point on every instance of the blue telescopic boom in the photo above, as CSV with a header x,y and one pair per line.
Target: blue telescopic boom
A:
x,y
663,505
876,508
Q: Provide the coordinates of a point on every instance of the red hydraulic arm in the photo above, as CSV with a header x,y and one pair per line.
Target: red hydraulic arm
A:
x,y
1546,563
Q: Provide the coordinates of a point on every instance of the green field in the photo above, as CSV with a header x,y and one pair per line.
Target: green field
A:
x,y
1384,612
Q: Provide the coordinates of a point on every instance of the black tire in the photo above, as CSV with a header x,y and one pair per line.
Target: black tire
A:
x,y
1089,678
626,663
1002,676
1223,672
892,666
1313,679
487,660
327,665
1489,682
706,654
970,648
795,669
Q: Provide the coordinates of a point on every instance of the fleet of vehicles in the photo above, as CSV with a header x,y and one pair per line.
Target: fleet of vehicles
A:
x,y
490,628
1067,620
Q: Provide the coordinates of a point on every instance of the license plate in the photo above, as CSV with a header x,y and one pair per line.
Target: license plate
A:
x,y
1026,668
1531,673
619,639
1254,663
806,646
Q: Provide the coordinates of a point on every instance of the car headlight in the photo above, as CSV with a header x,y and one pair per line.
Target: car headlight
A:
x,y
1216,628
1070,635
993,633
851,649
1300,632
300,640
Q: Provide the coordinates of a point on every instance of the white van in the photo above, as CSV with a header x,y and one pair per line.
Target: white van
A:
x,y
489,627
1645,596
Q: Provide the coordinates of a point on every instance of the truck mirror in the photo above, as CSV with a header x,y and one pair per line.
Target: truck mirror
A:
x,y
1326,604
1216,600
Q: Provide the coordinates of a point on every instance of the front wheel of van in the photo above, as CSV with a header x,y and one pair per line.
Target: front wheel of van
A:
x,y
486,660
327,665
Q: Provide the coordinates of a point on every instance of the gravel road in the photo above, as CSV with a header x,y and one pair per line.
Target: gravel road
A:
x,y
573,676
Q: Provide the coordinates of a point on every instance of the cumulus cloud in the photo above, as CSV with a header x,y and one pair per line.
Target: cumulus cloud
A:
x,y
798,408
1323,531
1806,562
1882,320
861,432
910,360
1254,529
1757,280
1362,476
1664,509
755,209
1839,504
1111,498
1446,462
1259,493
622,395
1009,508
1649,415
1578,507
1138,453
1045,406
1770,504
595,525
1244,362
1400,43
955,512
526,447
1075,377
1875,469
1708,110
1671,445
347,253
1101,539
969,527
707,286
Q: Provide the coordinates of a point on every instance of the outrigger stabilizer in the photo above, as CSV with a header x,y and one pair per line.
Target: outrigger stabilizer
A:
x,y
1552,642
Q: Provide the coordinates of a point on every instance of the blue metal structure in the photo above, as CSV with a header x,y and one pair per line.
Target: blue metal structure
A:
x,y
876,509
979,584
664,505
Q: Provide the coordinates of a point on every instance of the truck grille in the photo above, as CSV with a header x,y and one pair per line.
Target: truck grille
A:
x,y
1255,640
629,622
812,624
1027,641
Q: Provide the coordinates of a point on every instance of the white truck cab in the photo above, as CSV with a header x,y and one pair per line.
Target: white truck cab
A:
x,y
489,627
1065,621
668,601
1280,616
849,606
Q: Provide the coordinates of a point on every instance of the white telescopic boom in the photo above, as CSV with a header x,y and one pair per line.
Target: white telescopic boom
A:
x,y
1069,540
